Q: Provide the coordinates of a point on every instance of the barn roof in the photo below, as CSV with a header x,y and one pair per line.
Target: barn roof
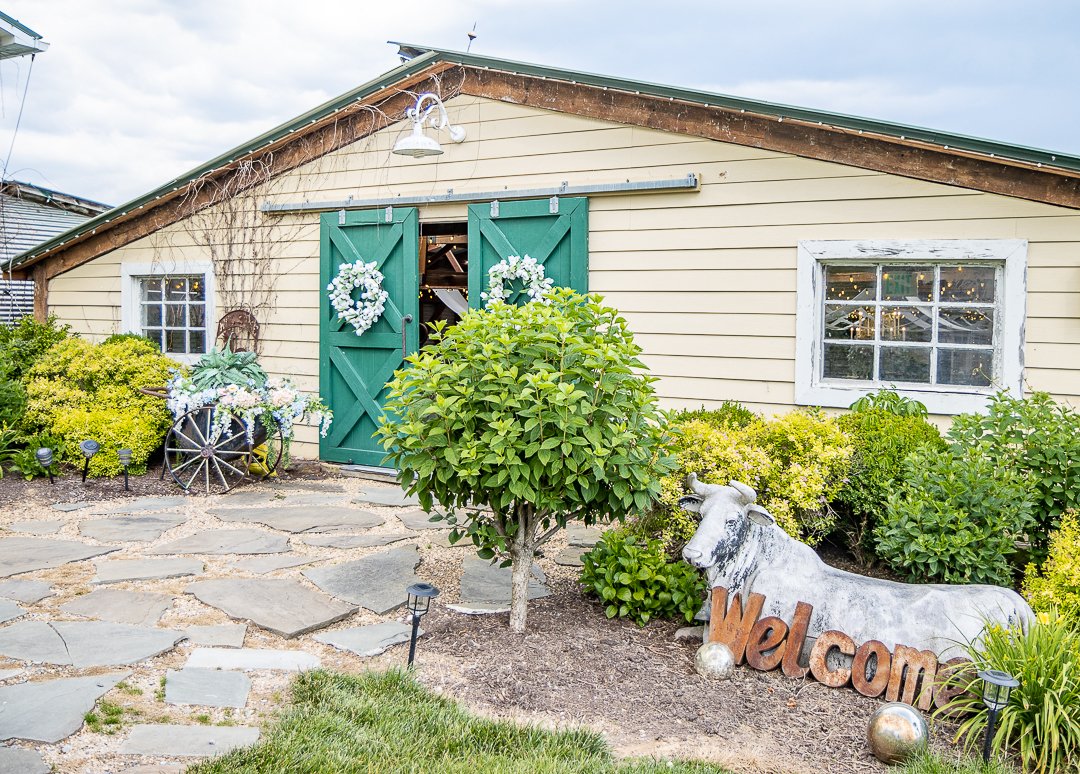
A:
x,y
1014,170
30,214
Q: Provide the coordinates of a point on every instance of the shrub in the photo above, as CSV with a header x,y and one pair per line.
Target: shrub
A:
x,y
1042,718
25,342
795,462
881,440
540,412
956,518
730,414
114,338
1057,585
890,401
1039,439
634,580
80,390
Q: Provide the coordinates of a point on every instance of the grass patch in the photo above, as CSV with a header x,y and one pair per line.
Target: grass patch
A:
x,y
107,719
386,722
935,763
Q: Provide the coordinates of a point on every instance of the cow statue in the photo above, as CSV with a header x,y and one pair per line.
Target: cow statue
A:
x,y
743,550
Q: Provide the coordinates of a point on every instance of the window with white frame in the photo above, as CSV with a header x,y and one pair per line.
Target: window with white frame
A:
x,y
938,320
172,306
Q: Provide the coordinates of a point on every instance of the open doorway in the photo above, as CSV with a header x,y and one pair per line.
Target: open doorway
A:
x,y
444,274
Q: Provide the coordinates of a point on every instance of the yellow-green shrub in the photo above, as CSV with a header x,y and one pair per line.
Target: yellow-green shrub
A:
x,y
1058,585
796,462
79,390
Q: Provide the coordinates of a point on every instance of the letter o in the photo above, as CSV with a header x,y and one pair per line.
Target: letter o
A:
x,y
859,680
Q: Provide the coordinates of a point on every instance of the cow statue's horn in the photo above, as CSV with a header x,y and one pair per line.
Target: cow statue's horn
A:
x,y
748,495
698,488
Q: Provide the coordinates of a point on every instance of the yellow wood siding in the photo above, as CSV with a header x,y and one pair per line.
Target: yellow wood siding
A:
x,y
706,279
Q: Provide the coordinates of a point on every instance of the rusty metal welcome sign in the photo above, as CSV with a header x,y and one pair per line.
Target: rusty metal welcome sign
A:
x,y
905,674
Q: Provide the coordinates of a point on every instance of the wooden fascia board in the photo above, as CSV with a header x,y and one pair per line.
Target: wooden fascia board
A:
x,y
300,147
880,153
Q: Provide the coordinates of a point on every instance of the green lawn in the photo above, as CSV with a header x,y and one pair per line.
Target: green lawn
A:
x,y
933,763
387,722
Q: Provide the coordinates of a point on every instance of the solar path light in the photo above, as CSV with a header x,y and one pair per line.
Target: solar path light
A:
x,y
89,448
125,460
997,686
419,602
45,459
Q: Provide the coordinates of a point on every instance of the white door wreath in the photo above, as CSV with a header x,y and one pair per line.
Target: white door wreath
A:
x,y
362,313
515,267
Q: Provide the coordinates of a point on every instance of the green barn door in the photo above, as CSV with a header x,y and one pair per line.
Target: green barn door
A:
x,y
353,370
553,231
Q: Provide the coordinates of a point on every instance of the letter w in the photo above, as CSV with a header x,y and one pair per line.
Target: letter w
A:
x,y
729,625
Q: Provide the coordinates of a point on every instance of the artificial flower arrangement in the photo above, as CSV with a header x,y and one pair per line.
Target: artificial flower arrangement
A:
x,y
516,267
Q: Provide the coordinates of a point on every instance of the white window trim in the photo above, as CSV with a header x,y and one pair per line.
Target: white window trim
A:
x,y
131,273
811,390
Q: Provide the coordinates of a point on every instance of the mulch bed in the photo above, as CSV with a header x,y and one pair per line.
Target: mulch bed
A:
x,y
638,686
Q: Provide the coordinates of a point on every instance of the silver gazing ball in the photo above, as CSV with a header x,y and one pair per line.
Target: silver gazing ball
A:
x,y
714,659
896,732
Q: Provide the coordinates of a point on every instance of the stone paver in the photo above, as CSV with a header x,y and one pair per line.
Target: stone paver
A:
x,y
207,687
376,582
26,554
302,518
141,505
120,606
37,526
9,611
420,520
485,588
51,710
387,496
226,541
26,591
119,570
284,497
285,607
19,760
570,556
184,741
352,541
260,565
84,643
221,635
290,487
129,529
580,536
69,507
252,659
369,640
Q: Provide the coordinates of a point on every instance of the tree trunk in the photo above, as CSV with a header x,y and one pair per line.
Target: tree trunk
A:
x,y
521,553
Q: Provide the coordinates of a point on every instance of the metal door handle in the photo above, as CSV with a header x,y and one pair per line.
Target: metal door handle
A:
x,y
404,321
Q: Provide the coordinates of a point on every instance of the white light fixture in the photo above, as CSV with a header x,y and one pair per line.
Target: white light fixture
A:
x,y
419,144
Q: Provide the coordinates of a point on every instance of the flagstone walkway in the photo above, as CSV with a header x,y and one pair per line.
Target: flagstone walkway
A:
x,y
187,615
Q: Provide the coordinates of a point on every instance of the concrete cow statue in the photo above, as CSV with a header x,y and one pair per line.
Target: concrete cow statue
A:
x,y
743,550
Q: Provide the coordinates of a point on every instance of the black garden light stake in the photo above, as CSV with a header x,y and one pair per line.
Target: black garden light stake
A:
x,y
89,448
418,601
125,460
45,459
997,686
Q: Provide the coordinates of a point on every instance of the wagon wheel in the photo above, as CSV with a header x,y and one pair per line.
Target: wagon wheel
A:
x,y
200,457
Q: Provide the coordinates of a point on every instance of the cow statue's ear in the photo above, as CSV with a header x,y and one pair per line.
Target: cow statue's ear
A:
x,y
759,515
691,503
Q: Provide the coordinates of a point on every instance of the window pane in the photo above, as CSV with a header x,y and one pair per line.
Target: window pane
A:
x,y
197,288
967,283
850,283
906,323
970,367
174,315
175,341
849,362
197,316
903,283
151,315
154,334
197,341
849,322
176,289
904,364
966,326
151,289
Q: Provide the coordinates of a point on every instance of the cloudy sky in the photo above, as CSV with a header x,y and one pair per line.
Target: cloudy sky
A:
x,y
132,93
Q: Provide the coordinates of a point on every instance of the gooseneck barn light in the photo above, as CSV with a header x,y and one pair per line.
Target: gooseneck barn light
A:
x,y
419,144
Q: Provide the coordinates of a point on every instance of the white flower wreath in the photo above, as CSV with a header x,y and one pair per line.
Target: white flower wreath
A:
x,y
526,269
363,313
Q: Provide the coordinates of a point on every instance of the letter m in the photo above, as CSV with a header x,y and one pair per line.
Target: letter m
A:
x,y
907,666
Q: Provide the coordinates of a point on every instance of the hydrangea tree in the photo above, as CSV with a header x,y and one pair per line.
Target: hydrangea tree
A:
x,y
542,413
